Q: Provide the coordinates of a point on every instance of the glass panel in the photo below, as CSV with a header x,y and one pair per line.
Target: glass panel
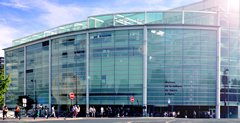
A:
x,y
69,69
115,67
129,19
200,18
164,17
37,72
15,69
180,68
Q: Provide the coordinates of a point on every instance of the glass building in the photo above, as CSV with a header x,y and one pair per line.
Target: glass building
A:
x,y
171,60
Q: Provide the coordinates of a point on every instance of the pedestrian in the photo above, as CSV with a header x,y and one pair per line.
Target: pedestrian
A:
x,y
38,111
17,112
109,111
91,111
101,111
53,112
194,114
35,112
174,114
74,111
78,110
165,114
5,110
186,114
46,112
178,114
208,114
94,111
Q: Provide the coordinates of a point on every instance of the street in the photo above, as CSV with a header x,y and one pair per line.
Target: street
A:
x,y
121,120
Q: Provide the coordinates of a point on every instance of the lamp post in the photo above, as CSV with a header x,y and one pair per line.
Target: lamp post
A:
x,y
76,84
76,57
34,88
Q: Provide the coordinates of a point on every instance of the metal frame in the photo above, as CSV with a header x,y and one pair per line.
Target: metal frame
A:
x,y
56,30
50,74
87,73
145,69
218,70
25,68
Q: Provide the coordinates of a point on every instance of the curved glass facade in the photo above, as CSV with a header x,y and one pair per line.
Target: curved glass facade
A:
x,y
167,61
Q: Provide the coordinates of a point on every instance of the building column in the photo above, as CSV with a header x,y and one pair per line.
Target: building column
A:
x,y
50,74
238,111
87,72
145,58
218,70
4,101
24,72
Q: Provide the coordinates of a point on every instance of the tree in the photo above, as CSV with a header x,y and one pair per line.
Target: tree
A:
x,y
4,84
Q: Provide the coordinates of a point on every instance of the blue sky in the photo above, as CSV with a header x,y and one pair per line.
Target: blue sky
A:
x,y
19,18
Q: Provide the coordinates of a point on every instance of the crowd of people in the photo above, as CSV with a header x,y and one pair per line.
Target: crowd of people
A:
x,y
37,111
44,111
40,111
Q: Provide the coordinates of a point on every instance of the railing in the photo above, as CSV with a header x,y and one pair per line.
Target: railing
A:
x,y
133,18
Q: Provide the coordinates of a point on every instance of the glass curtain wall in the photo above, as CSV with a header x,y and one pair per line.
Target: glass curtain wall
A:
x,y
69,70
37,72
116,67
230,56
181,67
15,69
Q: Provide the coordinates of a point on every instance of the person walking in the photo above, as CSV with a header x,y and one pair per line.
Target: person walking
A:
x,y
35,112
78,110
91,111
194,114
53,112
5,110
17,112
46,112
101,111
74,111
94,111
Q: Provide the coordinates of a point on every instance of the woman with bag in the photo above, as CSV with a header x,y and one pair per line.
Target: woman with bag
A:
x,y
5,110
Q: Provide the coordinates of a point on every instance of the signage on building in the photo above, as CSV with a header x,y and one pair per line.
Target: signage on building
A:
x,y
171,88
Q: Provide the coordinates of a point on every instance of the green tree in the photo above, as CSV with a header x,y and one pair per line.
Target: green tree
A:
x,y
4,84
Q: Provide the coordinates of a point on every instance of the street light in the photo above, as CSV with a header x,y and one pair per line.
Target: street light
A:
x,y
34,86
76,84
77,55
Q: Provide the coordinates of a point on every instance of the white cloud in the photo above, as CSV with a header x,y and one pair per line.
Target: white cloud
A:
x,y
7,34
55,14
15,4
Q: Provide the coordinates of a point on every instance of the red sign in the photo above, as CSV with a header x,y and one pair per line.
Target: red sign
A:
x,y
132,99
71,95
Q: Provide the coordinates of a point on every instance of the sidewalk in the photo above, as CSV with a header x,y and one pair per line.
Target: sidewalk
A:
x,y
10,114
30,119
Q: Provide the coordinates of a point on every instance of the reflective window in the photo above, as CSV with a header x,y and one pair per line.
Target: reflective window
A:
x,y
181,66
116,67
15,69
